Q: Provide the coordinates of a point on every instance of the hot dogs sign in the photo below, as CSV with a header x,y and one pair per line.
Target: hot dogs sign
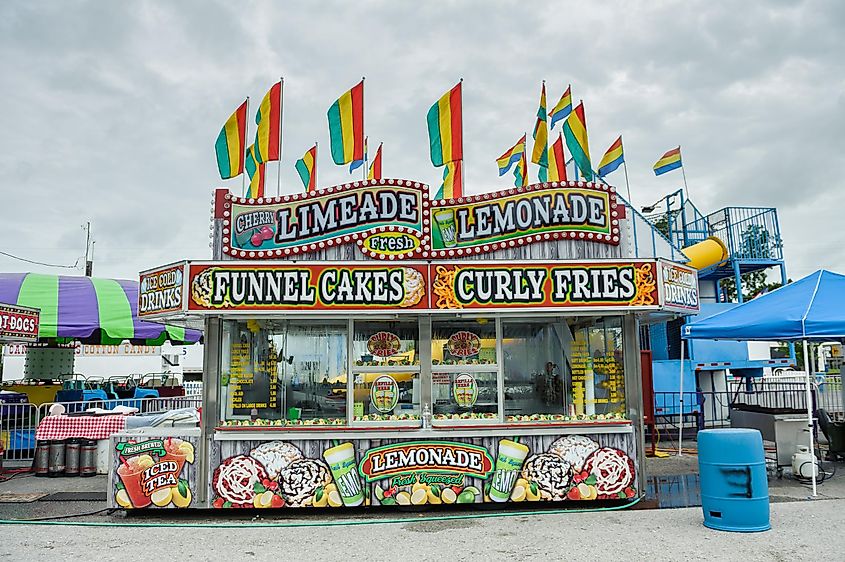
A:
x,y
230,286
395,220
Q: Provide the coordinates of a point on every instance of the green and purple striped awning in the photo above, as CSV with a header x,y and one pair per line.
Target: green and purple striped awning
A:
x,y
87,309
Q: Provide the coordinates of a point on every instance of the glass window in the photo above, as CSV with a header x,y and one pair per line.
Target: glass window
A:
x,y
463,342
285,372
563,369
464,378
386,373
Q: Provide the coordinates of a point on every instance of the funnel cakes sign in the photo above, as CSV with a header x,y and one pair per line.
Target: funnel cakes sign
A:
x,y
246,287
395,220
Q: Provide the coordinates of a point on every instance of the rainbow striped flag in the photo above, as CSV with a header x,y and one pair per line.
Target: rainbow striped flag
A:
x,y
375,168
612,159
346,126
557,162
453,181
445,128
230,144
307,168
255,171
562,108
358,163
511,156
668,162
520,172
575,132
540,153
268,137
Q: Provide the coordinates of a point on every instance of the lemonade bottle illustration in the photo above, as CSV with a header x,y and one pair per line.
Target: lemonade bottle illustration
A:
x,y
445,220
508,465
341,461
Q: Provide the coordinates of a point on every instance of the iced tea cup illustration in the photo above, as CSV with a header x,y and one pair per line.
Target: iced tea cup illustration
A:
x,y
341,461
446,223
131,473
508,466
178,451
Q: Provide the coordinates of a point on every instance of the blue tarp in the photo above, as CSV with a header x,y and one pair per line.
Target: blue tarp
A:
x,y
811,308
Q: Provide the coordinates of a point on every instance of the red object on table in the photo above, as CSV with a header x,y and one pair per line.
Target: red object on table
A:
x,y
85,427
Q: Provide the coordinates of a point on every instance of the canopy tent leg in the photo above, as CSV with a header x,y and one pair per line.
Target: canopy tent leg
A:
x,y
681,424
809,414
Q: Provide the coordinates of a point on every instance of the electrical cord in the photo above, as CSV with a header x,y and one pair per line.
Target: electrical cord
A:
x,y
14,257
70,516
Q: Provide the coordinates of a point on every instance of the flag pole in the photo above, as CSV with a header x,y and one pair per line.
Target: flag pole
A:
x,y
625,166
281,115
316,151
463,169
683,173
366,160
363,128
243,154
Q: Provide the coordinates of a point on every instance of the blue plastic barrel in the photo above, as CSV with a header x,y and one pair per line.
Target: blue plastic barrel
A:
x,y
734,486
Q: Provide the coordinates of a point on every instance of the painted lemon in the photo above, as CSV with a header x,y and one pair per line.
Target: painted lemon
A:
x,y
162,497
420,497
329,487
334,499
448,495
179,500
522,482
532,496
418,486
518,494
593,493
323,500
263,499
122,499
188,450
403,498
145,462
433,498
584,491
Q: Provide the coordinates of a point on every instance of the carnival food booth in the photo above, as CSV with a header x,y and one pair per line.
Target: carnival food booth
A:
x,y
366,345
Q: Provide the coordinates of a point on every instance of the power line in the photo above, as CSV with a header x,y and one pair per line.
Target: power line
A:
x,y
74,266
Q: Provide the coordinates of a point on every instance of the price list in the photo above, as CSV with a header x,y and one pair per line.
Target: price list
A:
x,y
251,383
579,361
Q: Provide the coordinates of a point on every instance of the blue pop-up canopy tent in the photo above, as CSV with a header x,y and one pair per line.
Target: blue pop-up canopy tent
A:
x,y
812,308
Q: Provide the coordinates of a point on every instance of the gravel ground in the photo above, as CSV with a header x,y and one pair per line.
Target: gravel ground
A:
x,y
676,534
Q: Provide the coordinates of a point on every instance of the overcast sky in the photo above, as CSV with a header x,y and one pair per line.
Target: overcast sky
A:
x,y
111,109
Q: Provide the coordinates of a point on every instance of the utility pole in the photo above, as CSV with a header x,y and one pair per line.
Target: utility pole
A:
x,y
89,257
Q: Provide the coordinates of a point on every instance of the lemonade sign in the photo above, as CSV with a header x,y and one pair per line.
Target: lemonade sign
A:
x,y
384,393
149,473
465,390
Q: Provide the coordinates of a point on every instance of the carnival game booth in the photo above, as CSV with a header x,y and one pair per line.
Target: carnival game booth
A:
x,y
366,345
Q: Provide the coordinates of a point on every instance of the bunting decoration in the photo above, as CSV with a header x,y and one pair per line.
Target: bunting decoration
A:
x,y
557,161
562,108
231,143
668,162
255,171
540,153
346,126
612,159
307,168
268,118
375,167
575,133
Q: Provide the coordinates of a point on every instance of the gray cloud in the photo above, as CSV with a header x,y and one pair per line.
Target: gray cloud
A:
x,y
111,109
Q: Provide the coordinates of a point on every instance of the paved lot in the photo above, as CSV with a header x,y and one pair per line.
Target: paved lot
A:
x,y
801,531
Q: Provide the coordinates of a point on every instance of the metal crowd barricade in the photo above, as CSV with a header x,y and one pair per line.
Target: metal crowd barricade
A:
x,y
18,422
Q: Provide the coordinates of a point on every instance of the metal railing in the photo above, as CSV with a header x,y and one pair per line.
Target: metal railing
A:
x,y
18,422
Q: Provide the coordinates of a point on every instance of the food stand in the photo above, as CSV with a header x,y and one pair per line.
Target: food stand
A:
x,y
366,345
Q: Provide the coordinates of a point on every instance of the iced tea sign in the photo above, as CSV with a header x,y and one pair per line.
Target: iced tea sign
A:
x,y
149,473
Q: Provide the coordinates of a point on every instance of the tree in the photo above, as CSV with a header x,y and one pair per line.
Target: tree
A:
x,y
753,284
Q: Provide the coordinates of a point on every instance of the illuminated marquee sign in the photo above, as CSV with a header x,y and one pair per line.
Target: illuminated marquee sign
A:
x,y
386,220
394,219
18,323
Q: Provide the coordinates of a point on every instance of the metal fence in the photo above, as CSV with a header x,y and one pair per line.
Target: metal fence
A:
x,y
706,410
18,422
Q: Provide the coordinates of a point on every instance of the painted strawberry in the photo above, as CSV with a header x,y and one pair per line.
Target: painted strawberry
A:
x,y
573,494
457,489
277,501
630,492
218,503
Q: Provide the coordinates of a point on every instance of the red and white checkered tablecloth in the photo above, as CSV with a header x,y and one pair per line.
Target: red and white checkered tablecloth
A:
x,y
85,427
